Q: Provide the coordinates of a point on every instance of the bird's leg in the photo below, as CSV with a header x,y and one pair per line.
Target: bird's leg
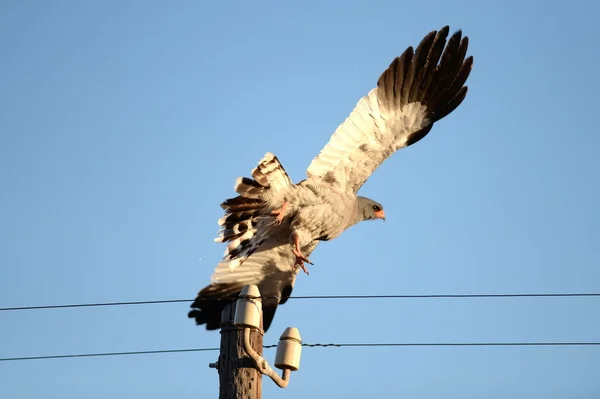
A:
x,y
300,258
280,213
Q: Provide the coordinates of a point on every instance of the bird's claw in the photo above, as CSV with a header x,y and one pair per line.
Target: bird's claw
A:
x,y
280,213
300,260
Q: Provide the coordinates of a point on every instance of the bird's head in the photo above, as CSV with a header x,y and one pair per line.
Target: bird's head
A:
x,y
370,209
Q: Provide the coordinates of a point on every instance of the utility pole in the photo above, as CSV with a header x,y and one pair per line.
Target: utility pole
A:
x,y
238,376
241,364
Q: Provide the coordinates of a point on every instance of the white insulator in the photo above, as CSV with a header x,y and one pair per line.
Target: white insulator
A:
x,y
289,350
248,308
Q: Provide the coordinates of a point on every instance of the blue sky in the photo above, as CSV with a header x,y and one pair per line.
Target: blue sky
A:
x,y
124,124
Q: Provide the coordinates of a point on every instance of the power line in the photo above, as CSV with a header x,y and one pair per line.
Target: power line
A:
x,y
99,304
8,359
348,345
431,296
465,344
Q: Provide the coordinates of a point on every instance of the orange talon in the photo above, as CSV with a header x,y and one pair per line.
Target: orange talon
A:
x,y
300,263
280,213
300,258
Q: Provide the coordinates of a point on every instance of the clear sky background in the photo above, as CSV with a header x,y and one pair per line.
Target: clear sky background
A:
x,y
123,125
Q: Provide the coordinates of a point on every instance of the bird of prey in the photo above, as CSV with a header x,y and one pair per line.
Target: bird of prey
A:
x,y
273,225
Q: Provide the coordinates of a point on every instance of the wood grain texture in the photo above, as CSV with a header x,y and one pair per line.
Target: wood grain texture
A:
x,y
238,377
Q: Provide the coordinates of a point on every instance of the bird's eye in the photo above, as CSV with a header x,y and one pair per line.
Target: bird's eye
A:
x,y
376,208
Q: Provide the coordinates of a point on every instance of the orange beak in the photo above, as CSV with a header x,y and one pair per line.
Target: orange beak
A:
x,y
380,215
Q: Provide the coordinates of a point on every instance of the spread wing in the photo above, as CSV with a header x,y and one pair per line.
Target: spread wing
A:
x,y
419,88
257,252
271,268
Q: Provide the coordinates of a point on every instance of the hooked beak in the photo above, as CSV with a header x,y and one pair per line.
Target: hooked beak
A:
x,y
380,215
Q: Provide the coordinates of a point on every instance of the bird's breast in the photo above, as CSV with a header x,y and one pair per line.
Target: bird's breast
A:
x,y
321,210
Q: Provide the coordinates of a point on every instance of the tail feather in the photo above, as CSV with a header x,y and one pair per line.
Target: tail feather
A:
x,y
238,244
240,204
249,188
232,219
236,230
241,225
270,173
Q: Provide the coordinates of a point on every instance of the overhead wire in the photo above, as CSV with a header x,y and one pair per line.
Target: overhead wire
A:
x,y
336,345
399,296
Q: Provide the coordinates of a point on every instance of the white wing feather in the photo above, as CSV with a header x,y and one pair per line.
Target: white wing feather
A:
x,y
413,93
271,268
365,139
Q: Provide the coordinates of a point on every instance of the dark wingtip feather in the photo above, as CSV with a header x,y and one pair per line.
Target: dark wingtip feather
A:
x,y
210,302
391,80
453,104
434,76
419,66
